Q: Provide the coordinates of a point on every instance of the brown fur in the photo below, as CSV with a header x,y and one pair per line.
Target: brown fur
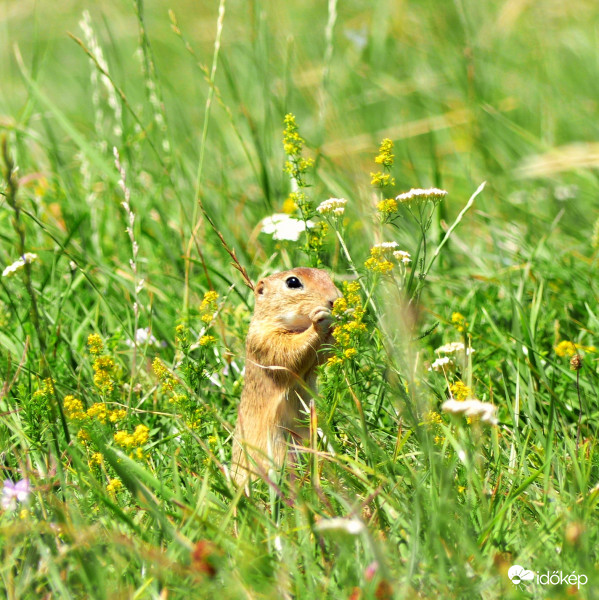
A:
x,y
288,328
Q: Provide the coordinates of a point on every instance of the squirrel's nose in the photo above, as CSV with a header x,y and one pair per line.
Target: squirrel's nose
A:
x,y
331,302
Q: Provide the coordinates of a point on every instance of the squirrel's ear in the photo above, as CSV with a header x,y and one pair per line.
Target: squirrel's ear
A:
x,y
259,289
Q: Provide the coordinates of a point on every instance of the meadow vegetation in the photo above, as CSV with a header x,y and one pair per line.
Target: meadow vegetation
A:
x,y
454,434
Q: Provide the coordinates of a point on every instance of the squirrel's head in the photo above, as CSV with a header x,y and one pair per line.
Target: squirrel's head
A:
x,y
289,297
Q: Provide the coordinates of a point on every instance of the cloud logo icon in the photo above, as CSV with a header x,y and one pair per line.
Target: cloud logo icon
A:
x,y
518,574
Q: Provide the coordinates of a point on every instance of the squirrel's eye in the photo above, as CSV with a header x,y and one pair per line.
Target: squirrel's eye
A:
x,y
293,283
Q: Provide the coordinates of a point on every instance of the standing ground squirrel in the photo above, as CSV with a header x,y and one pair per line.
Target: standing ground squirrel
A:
x,y
291,323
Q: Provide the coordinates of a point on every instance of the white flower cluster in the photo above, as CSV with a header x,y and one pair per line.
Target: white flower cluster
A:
x,y
443,363
386,246
144,336
403,257
434,194
284,227
28,257
472,408
335,206
454,348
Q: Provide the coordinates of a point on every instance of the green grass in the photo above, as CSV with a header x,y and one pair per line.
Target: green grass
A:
x,y
469,92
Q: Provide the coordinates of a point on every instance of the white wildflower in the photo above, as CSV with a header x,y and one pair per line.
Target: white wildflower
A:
x,y
352,526
434,194
144,336
335,206
442,364
472,408
28,257
386,246
402,257
454,348
284,227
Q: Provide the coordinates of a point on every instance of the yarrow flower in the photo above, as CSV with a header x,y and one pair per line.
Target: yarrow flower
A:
x,y
284,227
15,492
442,364
472,408
27,258
335,206
144,336
453,348
402,256
419,195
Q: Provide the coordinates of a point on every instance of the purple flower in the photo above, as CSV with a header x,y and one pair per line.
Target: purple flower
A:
x,y
15,492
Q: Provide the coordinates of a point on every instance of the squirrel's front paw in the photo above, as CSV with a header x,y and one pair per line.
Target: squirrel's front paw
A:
x,y
321,316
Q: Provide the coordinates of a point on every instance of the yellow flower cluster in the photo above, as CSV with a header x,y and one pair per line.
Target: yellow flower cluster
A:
x,y
103,373
290,204
566,348
381,179
385,156
207,340
208,306
459,321
100,412
379,257
131,440
387,207
292,142
181,334
432,418
73,408
45,392
96,459
165,376
95,344
460,391
349,311
114,486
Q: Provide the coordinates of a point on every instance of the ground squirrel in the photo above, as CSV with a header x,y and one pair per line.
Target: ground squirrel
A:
x,y
291,323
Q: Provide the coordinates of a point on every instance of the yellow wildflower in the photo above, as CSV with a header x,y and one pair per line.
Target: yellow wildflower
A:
x,y
96,459
181,334
83,436
73,408
114,486
460,391
98,410
167,380
290,204
350,353
432,418
207,340
103,369
385,156
141,434
95,344
114,416
459,320
334,360
565,348
381,179
123,439
387,207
